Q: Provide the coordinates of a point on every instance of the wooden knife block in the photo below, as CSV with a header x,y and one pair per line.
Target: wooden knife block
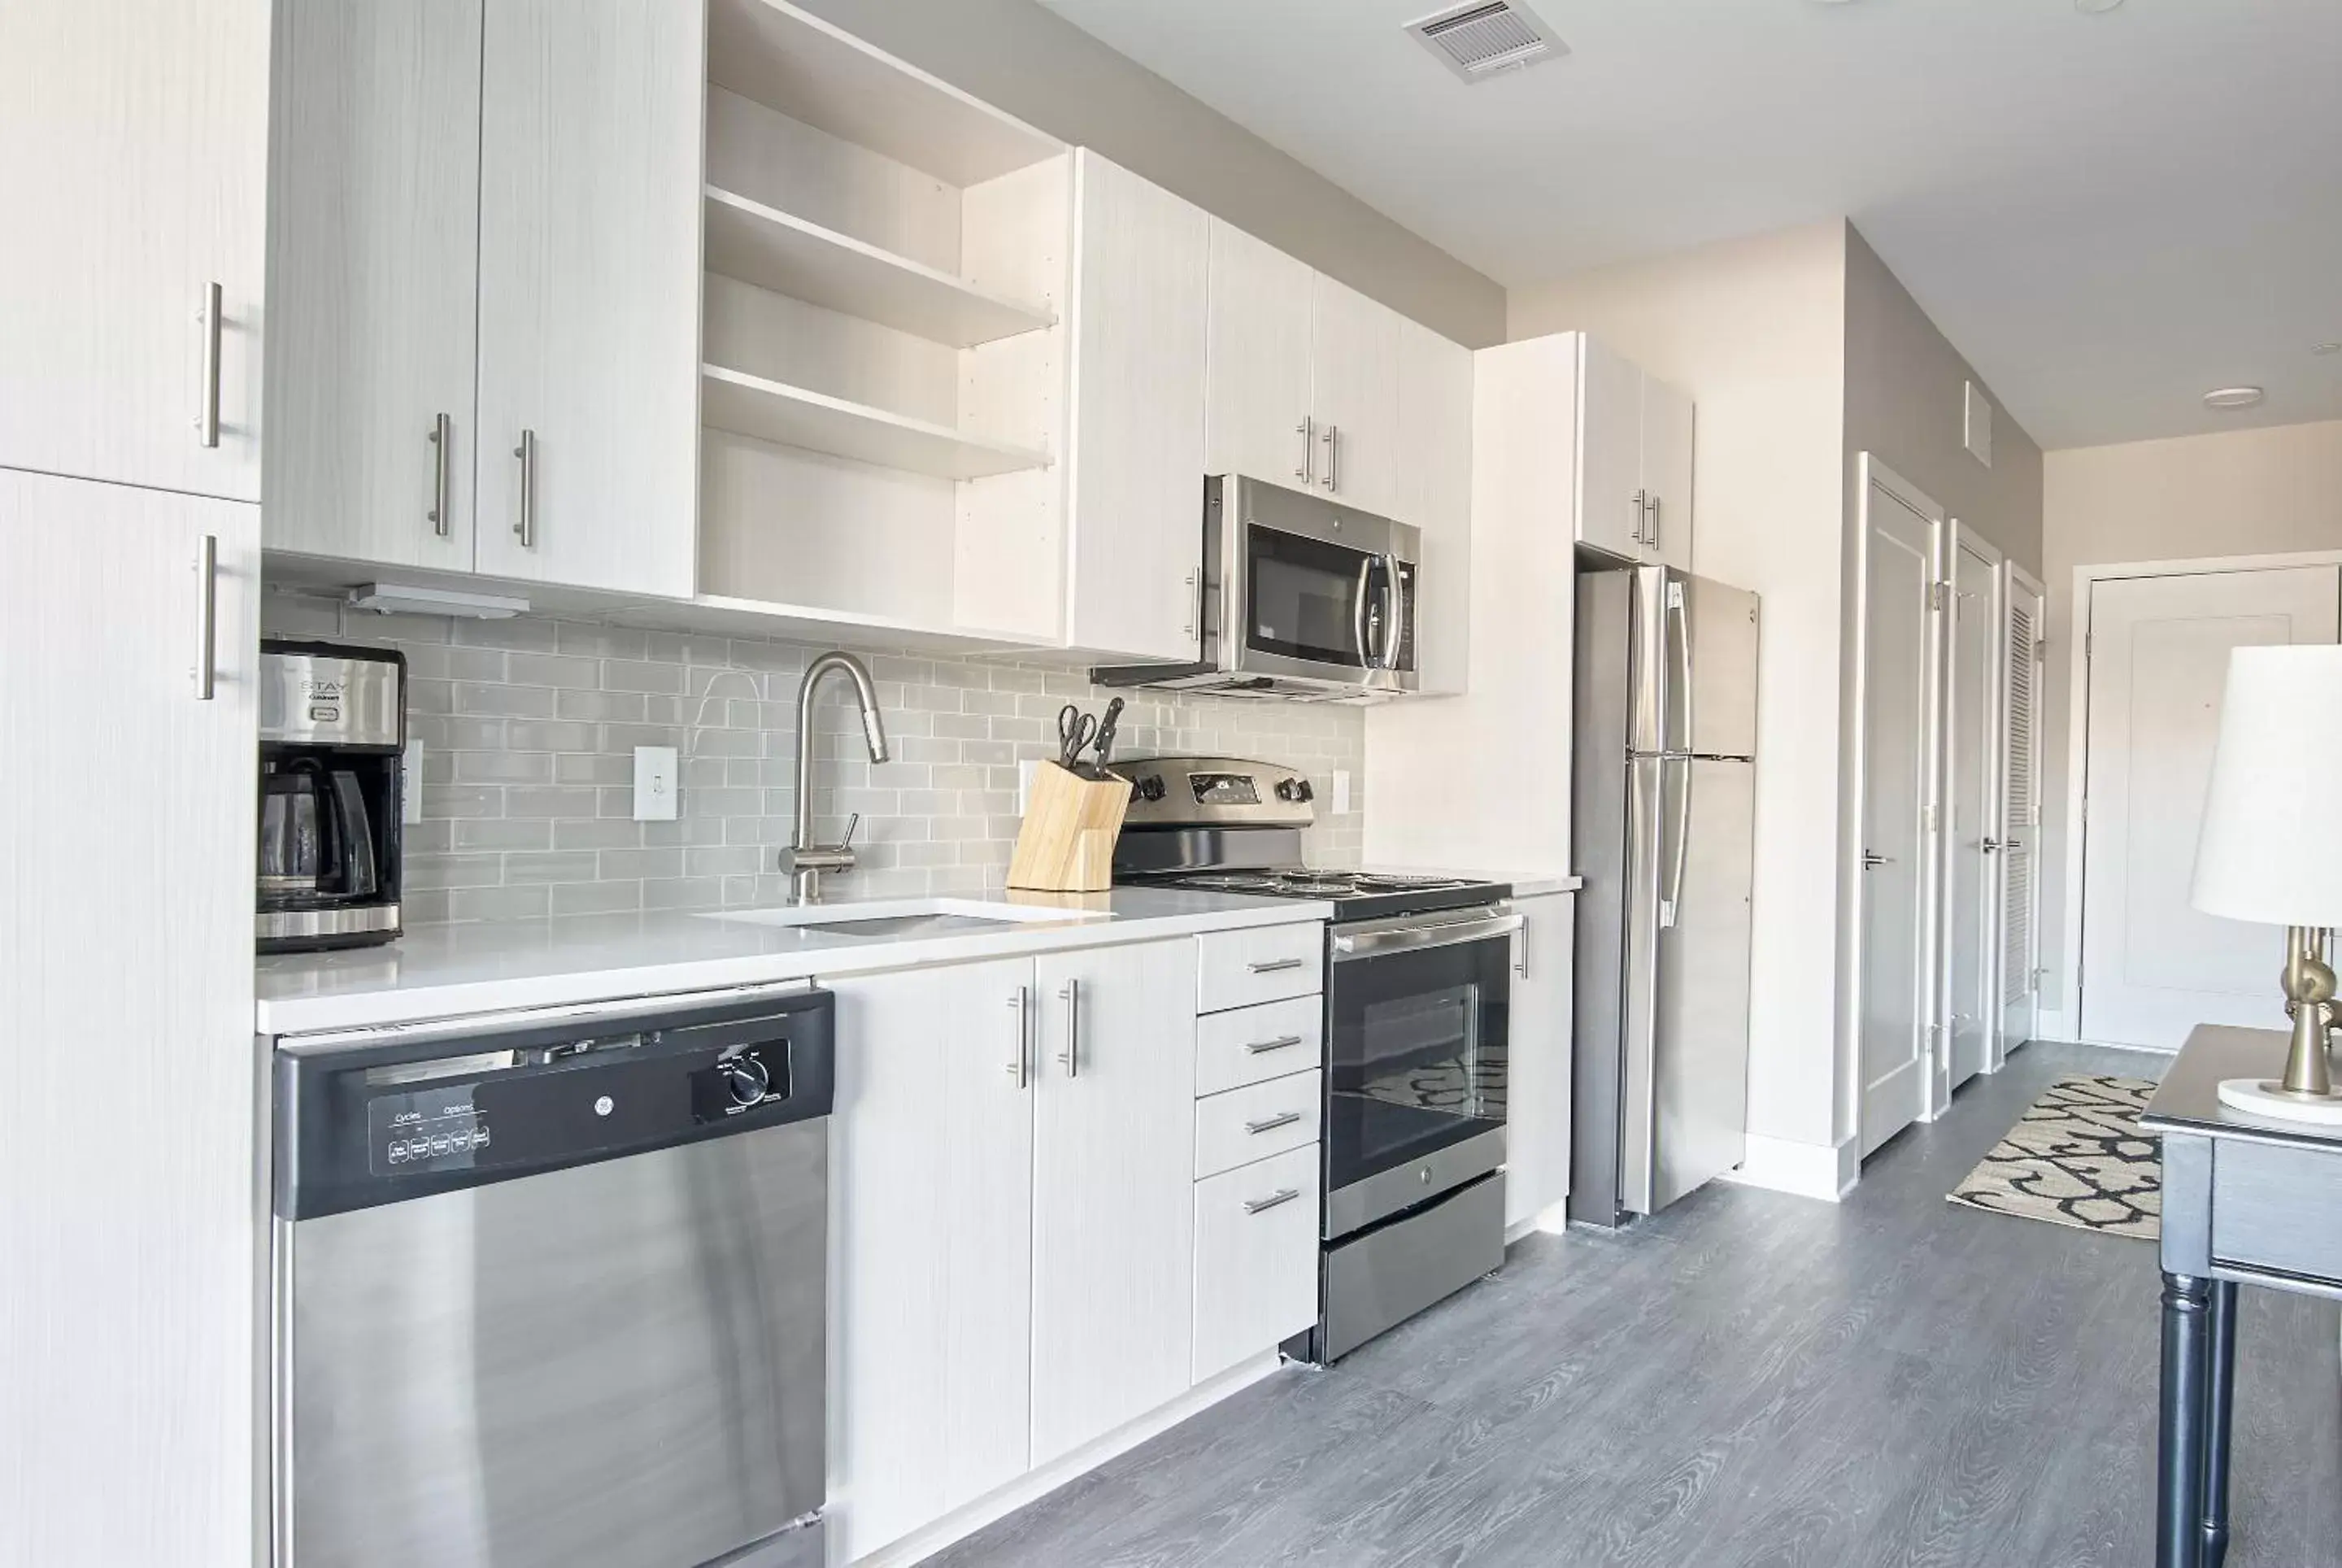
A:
x,y
1067,844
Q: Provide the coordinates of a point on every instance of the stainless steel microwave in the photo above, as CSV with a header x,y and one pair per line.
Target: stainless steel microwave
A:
x,y
1302,598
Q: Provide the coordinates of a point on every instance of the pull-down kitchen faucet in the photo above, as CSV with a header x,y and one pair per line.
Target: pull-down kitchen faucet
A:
x,y
805,859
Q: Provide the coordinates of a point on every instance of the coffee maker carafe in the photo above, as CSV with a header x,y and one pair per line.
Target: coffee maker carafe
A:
x,y
332,733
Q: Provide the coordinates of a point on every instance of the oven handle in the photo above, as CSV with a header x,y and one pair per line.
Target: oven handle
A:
x,y
1414,938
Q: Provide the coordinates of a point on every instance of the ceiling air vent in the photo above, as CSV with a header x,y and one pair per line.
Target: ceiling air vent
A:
x,y
1477,42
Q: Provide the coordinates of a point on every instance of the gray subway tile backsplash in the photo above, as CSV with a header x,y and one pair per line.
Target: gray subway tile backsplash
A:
x,y
528,727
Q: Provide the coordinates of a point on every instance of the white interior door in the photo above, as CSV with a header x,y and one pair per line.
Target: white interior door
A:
x,y
2153,966
2019,961
1970,801
1897,709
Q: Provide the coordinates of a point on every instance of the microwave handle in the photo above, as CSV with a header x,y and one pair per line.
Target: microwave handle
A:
x,y
1359,602
1395,603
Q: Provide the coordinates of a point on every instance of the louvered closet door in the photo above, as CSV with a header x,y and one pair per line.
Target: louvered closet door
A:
x,y
2020,809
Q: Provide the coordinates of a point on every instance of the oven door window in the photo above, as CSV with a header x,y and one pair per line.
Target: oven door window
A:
x,y
1416,1060
1308,600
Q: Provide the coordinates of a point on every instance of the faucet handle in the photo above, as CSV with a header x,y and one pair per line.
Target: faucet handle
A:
x,y
852,822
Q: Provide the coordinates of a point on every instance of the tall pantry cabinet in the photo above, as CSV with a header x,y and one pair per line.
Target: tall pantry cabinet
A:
x,y
131,345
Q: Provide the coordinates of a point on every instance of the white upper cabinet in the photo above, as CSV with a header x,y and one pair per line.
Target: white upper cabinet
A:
x,y
1258,421
1609,450
1354,390
1113,1198
586,460
134,185
373,265
1667,473
1634,459
1135,486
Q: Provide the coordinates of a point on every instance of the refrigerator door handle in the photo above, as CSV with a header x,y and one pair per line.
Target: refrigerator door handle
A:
x,y
1679,622
1672,903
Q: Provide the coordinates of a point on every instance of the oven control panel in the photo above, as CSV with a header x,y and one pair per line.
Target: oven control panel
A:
x,y
1216,792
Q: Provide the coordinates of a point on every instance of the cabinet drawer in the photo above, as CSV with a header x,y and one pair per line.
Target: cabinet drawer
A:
x,y
1238,969
1256,1258
1256,1122
2259,1192
1254,1044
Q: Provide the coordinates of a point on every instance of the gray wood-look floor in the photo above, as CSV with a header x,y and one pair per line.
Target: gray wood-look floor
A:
x,y
1749,1378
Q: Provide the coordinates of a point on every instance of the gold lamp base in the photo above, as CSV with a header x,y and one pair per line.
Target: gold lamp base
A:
x,y
2306,1092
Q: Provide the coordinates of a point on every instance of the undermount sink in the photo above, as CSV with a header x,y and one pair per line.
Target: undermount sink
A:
x,y
907,917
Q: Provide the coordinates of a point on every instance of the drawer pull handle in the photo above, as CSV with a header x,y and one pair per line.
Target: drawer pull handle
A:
x,y
1263,1047
1274,966
1271,1124
1262,1205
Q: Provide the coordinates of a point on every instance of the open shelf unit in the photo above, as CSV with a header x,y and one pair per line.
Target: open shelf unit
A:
x,y
790,415
884,381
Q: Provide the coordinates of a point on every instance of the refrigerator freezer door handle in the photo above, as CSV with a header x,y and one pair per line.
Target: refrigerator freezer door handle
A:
x,y
1673,901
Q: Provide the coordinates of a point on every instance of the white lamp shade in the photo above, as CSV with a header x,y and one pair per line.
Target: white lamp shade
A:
x,y
2271,846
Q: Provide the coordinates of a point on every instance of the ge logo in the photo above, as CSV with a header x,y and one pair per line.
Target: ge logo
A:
x,y
603,1106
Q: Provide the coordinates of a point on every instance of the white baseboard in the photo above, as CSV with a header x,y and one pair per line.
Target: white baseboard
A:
x,y
1806,1170
2052,1026
1035,1484
1552,1221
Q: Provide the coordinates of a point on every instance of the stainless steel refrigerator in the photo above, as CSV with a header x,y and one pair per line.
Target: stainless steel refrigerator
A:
x,y
1663,817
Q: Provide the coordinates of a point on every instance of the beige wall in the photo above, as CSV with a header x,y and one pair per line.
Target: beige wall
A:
x,y
1754,330
2245,493
1906,390
1021,58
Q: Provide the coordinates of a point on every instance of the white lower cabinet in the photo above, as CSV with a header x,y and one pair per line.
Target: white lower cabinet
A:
x,y
1112,1153
1538,1097
1256,1257
930,1286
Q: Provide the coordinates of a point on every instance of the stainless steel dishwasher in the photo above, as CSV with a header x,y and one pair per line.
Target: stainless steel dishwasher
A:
x,y
550,1293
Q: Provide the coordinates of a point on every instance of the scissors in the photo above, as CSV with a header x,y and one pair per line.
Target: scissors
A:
x,y
1076,730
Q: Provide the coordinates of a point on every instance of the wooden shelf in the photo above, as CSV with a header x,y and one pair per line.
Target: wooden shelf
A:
x,y
772,249
790,415
794,62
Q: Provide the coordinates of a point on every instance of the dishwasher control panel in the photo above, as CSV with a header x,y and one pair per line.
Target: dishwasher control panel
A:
x,y
384,1123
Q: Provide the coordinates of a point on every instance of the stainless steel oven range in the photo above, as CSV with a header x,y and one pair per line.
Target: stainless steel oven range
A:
x,y
1418,999
549,1289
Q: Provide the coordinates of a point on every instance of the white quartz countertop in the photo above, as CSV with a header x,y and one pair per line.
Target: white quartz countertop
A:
x,y
454,970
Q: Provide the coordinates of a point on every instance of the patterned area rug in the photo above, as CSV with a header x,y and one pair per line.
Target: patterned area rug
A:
x,y
2078,1158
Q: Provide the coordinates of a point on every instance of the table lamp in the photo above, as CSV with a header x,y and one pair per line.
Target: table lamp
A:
x,y
2271,849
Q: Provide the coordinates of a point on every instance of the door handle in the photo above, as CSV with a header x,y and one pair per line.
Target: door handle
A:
x,y
206,616
1271,1124
1870,862
442,436
525,525
207,406
1333,481
1019,1066
1671,907
1642,516
1653,506
1274,966
1072,1055
1991,845
1307,430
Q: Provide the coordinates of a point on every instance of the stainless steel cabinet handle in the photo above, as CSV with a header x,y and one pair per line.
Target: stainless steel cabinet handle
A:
x,y
206,616
1019,1064
1263,1047
1307,430
207,423
1870,860
1654,522
1333,439
1271,1124
442,436
1072,1055
525,527
1274,966
1642,516
1282,1195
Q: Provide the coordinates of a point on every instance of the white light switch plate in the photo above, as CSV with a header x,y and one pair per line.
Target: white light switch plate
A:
x,y
654,784
1341,791
1024,771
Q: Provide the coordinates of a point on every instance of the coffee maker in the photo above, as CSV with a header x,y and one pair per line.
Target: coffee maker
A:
x,y
332,739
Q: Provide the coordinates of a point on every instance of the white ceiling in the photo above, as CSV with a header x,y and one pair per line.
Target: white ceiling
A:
x,y
2108,215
